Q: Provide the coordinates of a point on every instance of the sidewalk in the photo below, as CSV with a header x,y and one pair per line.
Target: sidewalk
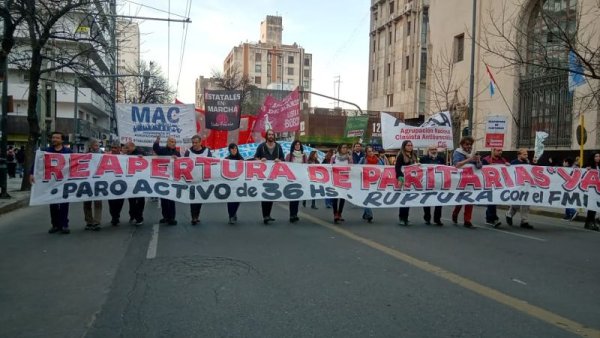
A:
x,y
18,199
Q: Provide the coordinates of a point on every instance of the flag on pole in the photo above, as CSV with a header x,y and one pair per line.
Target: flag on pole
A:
x,y
576,77
492,80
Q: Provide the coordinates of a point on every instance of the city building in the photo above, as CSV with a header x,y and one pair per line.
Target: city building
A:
x,y
78,105
270,64
128,60
529,65
398,57
203,83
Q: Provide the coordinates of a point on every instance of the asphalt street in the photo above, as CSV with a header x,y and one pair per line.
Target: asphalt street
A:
x,y
308,279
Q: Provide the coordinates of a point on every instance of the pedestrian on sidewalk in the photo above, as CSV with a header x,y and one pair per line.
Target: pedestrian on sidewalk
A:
x,y
167,206
461,157
20,156
199,150
522,159
93,218
59,212
11,162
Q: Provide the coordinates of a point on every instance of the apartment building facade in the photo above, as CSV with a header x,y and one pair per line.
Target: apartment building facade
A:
x,y
128,60
398,57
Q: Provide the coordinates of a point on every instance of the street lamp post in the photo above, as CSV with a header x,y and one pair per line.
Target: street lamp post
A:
x,y
4,133
472,74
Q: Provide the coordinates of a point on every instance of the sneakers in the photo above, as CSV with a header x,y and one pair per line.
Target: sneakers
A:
x,y
573,217
89,226
162,221
138,222
468,225
65,231
171,222
115,222
591,226
267,219
294,219
232,220
439,223
53,230
526,225
337,218
495,223
509,220
195,221
132,221
427,222
404,222
314,207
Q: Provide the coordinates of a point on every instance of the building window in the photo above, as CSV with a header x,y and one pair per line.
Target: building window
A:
x,y
459,48
408,28
306,85
290,59
390,37
290,71
374,44
407,62
306,61
257,80
391,7
389,69
307,73
389,100
258,57
372,75
257,68
291,81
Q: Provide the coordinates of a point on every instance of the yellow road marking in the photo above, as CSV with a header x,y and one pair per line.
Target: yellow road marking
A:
x,y
495,295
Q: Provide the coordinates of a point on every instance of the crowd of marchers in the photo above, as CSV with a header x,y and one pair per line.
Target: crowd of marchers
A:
x,y
271,150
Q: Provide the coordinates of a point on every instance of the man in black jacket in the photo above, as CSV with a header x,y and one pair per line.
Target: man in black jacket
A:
x,y
432,157
136,204
199,150
167,206
268,151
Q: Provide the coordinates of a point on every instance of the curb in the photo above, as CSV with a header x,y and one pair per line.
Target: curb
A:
x,y
14,205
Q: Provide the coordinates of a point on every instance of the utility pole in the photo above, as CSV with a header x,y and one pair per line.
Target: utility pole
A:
x,y
76,113
337,80
3,123
114,69
472,74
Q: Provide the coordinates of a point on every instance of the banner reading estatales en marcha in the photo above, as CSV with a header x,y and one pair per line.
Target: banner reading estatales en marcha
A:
x,y
81,177
141,123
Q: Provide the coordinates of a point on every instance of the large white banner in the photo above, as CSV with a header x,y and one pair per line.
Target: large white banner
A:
x,y
81,177
141,123
437,130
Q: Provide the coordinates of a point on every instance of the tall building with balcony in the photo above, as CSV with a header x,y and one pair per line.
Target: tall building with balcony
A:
x,y
529,63
128,60
77,103
398,57
270,64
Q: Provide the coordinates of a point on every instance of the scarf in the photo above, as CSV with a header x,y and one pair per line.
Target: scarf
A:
x,y
342,158
297,156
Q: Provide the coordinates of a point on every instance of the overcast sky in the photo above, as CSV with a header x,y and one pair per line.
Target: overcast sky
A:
x,y
336,32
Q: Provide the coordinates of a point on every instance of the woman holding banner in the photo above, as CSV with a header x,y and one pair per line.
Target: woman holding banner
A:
x,y
406,156
232,207
296,155
461,157
373,159
342,157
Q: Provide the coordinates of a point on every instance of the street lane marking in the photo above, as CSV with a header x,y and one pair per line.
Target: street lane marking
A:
x,y
519,281
487,292
502,231
153,245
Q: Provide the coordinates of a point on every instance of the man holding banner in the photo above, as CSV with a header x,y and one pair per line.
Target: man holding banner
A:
x,y
268,151
199,150
136,204
167,206
59,212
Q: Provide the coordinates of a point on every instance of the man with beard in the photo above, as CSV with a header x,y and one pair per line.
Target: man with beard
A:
x,y
59,212
136,204
167,206
268,151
